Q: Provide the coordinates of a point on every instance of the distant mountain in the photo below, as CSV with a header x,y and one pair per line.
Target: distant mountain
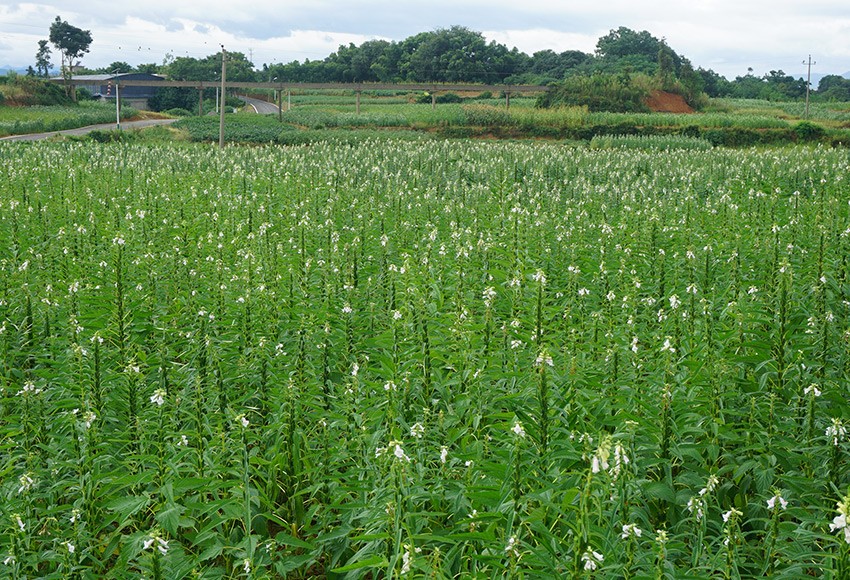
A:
x,y
4,70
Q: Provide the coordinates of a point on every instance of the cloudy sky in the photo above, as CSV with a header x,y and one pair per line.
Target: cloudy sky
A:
x,y
728,36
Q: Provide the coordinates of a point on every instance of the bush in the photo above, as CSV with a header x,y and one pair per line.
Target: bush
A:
x,y
425,98
112,136
600,92
807,131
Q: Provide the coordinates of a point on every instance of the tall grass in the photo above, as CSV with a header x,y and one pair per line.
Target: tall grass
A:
x,y
22,120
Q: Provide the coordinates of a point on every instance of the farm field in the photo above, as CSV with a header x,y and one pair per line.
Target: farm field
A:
x,y
22,120
737,123
442,359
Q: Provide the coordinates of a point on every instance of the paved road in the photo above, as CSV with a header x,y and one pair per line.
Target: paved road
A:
x,y
260,107
84,130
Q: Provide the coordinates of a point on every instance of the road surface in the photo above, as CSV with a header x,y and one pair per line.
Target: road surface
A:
x,y
90,128
260,107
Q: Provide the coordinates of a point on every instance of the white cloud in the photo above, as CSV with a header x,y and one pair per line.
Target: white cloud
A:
x,y
536,39
725,35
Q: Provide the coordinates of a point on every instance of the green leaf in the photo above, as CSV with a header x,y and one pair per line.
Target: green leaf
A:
x,y
372,561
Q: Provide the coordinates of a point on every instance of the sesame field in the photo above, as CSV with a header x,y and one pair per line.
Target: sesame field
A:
x,y
424,359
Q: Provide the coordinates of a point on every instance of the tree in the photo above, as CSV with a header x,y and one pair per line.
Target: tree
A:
x,y
119,67
72,43
637,50
42,59
150,68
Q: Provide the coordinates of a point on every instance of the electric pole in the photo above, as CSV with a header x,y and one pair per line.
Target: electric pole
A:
x,y
221,107
808,83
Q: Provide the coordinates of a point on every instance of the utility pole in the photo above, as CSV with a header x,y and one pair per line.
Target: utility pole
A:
x,y
117,106
808,84
221,107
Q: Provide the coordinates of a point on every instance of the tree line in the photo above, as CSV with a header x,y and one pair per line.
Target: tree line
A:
x,y
458,54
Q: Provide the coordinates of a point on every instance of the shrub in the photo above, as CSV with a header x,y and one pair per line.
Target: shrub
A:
x,y
425,98
808,131
599,92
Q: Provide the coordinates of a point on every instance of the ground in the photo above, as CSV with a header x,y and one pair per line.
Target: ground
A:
x,y
662,102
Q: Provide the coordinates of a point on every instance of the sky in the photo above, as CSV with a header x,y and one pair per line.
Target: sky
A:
x,y
727,36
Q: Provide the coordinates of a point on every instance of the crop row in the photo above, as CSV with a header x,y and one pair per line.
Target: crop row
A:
x,y
408,359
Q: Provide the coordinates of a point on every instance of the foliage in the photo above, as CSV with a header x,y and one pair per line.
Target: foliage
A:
x,y
807,131
72,43
27,91
42,60
599,92
39,119
423,359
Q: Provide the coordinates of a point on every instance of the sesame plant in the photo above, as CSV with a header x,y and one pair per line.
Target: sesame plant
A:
x,y
410,359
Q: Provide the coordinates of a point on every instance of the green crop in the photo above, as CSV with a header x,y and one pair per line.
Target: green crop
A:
x,y
423,359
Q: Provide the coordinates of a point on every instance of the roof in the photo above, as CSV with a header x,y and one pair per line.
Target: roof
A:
x,y
119,76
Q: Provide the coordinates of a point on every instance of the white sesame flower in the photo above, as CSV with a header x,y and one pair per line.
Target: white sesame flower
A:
x,y
512,547
398,452
396,314
346,309
29,389
89,418
70,547
539,277
26,482
583,292
592,560
543,359
630,530
595,466
771,503
668,346
417,430
246,566
674,302
444,453
518,429
696,506
812,390
731,514
183,442
19,522
158,397
836,431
